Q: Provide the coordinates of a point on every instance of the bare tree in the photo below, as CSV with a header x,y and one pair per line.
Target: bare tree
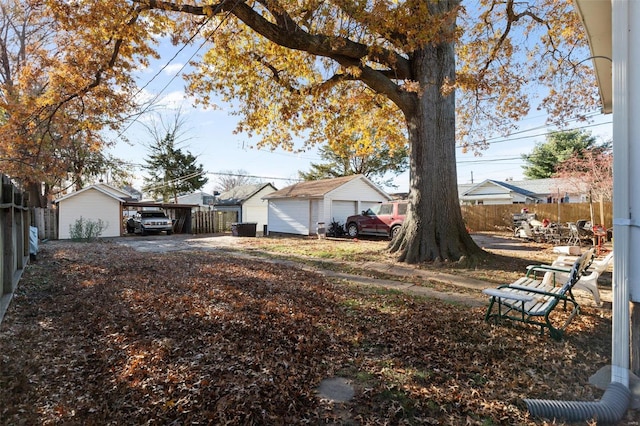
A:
x,y
229,179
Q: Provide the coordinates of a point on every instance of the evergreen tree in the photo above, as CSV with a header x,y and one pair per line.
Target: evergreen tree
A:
x,y
172,172
545,158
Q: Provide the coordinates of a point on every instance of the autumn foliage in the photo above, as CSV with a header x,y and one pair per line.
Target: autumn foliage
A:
x,y
99,333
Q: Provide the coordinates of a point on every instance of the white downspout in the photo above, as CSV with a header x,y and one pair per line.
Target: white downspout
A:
x,y
623,65
625,15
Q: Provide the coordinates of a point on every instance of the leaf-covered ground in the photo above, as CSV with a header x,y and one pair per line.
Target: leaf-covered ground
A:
x,y
101,334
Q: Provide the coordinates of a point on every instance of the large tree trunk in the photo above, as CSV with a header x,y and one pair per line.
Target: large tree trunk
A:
x,y
434,229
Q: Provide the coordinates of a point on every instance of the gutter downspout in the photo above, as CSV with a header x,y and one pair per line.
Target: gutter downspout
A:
x,y
616,399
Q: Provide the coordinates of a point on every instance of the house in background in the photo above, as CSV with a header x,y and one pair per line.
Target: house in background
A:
x,y
135,194
96,202
248,202
297,209
532,191
202,199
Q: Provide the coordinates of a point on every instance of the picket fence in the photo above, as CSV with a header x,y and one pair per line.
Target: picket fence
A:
x,y
212,222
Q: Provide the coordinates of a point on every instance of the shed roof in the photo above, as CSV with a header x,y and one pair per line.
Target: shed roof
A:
x,y
104,188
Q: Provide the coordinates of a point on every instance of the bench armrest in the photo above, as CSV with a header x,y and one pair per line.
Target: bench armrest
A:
x,y
546,268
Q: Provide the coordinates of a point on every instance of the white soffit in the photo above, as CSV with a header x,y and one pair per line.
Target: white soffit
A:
x,y
596,18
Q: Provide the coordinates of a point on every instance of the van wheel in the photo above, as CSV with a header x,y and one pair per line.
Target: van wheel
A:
x,y
352,230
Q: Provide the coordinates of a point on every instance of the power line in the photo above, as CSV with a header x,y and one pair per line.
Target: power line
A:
x,y
251,176
206,39
551,132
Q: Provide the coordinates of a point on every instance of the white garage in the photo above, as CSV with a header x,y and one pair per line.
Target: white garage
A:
x,y
96,202
297,209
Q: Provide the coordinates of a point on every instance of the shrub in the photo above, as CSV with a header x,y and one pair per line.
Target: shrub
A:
x,y
336,229
86,229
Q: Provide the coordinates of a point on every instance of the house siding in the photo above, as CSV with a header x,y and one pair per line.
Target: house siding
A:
x,y
202,199
255,209
90,205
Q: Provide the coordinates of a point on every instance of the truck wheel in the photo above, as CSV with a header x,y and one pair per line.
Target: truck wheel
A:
x,y
352,230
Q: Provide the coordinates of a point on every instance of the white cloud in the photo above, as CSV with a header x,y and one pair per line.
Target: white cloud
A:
x,y
173,69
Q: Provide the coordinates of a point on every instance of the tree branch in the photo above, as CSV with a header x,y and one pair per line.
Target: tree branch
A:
x,y
285,32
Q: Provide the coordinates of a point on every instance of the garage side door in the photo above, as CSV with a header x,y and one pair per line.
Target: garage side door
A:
x,y
289,216
340,210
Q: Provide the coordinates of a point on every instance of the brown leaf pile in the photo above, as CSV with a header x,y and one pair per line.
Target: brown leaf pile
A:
x,y
101,334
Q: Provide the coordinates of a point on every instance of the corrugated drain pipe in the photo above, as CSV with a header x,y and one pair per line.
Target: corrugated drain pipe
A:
x,y
609,410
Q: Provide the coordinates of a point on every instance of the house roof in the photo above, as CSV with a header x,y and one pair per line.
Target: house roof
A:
x,y
534,188
104,188
319,188
516,189
197,193
241,193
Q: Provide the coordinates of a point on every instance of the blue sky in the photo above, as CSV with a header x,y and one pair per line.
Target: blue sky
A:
x,y
209,136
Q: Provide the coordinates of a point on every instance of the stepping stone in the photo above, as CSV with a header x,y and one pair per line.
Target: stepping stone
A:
x,y
336,389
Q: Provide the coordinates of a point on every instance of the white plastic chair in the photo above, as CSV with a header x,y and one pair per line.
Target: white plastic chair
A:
x,y
588,282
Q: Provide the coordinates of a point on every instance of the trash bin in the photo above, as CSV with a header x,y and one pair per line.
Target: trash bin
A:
x,y
243,229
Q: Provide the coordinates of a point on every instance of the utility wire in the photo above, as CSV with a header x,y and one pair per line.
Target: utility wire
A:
x,y
206,39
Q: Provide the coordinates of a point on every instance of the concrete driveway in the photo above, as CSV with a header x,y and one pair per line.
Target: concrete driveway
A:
x,y
178,242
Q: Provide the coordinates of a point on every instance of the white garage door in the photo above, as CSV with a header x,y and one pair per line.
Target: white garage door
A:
x,y
289,216
340,210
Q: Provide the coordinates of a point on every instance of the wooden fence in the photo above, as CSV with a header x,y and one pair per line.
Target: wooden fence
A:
x,y
46,220
500,217
211,222
14,239
477,218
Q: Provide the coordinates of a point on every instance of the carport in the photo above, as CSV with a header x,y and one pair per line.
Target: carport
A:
x,y
179,213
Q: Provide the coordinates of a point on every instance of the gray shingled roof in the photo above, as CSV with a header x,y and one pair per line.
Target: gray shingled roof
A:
x,y
529,187
240,193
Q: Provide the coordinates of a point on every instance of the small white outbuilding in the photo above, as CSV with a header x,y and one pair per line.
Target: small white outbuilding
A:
x,y
96,202
299,208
